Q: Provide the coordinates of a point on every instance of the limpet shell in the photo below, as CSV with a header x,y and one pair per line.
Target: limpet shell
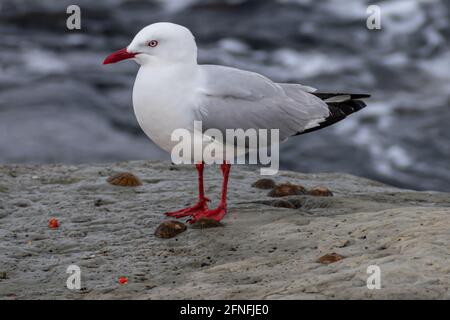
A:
x,y
330,258
286,189
264,184
320,191
169,229
124,179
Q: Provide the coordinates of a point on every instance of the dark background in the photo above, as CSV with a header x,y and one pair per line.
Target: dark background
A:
x,y
59,104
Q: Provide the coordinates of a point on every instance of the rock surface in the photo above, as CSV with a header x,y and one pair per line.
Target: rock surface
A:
x,y
261,252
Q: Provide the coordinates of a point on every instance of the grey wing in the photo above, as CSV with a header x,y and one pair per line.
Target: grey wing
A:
x,y
235,99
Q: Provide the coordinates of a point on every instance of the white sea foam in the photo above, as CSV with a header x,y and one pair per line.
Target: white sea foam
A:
x,y
45,62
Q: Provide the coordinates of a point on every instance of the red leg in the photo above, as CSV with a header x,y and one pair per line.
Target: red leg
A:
x,y
201,205
218,213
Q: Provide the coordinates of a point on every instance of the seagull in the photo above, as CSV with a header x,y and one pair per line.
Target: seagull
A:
x,y
172,91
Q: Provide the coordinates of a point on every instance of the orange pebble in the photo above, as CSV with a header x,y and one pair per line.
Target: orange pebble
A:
x,y
123,280
53,223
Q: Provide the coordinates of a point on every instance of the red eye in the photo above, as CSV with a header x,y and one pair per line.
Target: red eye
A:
x,y
153,43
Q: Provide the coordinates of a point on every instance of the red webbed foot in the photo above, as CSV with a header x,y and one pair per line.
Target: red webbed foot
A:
x,y
215,214
200,206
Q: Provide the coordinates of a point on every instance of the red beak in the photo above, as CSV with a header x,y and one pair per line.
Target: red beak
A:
x,y
119,55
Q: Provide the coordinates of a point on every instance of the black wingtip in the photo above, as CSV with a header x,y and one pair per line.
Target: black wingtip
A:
x,y
327,95
360,95
338,112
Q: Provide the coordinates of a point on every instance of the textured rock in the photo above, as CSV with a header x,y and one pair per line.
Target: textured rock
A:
x,y
282,204
205,223
261,252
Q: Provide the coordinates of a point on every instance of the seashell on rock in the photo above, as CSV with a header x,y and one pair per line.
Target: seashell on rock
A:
x,y
169,229
320,191
286,189
330,258
264,184
124,179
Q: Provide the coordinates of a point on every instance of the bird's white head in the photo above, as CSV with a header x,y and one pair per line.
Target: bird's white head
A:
x,y
161,42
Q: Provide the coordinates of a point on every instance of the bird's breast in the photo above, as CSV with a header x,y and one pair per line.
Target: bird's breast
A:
x,y
161,105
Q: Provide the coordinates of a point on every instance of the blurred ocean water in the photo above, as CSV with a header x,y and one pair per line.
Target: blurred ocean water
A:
x,y
59,104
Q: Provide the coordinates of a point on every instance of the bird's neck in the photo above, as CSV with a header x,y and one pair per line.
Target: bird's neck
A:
x,y
166,84
163,73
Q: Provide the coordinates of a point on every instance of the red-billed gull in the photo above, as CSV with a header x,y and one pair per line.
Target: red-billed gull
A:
x,y
172,91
